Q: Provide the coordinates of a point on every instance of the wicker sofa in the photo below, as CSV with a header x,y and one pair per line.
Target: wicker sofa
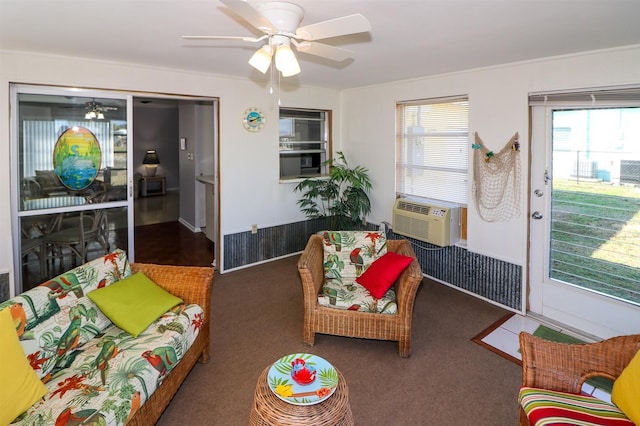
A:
x,y
127,388
354,323
562,367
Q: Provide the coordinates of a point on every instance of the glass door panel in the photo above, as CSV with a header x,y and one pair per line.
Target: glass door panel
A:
x,y
71,198
595,216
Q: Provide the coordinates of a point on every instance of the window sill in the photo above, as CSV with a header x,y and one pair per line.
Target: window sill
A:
x,y
301,178
462,244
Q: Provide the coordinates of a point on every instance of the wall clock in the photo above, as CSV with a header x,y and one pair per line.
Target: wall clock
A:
x,y
253,119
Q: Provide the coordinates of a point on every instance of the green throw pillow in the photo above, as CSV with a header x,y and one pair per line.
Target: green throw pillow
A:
x,y
134,303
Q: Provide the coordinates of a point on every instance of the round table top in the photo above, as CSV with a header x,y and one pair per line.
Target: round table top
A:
x,y
268,409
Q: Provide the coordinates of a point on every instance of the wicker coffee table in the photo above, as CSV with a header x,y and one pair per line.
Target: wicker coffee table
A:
x,y
268,409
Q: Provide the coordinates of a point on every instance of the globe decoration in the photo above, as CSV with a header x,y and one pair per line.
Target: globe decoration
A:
x,y
77,157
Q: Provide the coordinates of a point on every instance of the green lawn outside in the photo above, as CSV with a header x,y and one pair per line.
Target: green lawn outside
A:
x,y
595,237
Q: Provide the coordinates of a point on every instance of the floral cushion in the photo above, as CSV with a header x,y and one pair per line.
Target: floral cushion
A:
x,y
52,344
56,318
112,375
347,254
350,295
544,407
95,372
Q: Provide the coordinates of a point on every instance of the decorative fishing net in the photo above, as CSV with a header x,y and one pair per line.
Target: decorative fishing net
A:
x,y
496,181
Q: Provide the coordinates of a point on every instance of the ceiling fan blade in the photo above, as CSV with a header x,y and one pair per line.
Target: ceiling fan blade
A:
x,y
351,24
250,14
324,50
249,39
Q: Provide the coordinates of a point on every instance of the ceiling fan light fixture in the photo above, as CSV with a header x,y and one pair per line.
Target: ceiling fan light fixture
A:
x,y
261,60
286,61
279,21
95,110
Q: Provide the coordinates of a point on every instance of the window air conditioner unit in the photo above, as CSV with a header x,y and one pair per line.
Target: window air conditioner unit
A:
x,y
437,224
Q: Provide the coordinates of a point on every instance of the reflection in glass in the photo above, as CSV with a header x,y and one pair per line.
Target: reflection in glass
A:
x,y
65,154
54,243
71,155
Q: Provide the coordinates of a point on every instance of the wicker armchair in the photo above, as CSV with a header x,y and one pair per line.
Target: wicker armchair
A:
x,y
327,320
565,367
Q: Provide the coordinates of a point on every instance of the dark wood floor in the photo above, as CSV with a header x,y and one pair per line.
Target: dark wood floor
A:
x,y
171,243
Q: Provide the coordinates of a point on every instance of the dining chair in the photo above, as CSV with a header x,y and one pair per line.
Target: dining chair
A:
x,y
33,246
92,227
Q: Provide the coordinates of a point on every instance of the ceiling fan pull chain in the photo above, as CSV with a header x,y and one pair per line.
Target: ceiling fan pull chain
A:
x,y
279,89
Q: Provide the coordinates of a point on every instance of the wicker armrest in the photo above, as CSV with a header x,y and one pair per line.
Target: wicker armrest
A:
x,y
311,267
408,282
193,285
565,367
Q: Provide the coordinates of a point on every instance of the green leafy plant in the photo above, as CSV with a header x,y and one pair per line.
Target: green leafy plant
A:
x,y
342,197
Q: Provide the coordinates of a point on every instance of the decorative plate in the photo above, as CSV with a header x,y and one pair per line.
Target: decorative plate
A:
x,y
281,383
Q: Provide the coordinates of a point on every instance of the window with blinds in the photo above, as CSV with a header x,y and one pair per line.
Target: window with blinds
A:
x,y
432,141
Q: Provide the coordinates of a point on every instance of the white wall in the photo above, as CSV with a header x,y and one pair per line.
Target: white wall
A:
x,y
498,107
364,128
249,190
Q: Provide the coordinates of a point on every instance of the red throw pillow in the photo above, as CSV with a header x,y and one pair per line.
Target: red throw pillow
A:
x,y
380,276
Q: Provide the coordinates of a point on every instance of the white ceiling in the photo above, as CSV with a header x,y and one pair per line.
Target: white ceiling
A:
x,y
409,38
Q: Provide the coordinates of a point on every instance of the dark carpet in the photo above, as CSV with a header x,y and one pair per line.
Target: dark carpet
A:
x,y
448,380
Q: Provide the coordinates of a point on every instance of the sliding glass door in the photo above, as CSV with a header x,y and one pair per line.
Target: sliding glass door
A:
x,y
71,180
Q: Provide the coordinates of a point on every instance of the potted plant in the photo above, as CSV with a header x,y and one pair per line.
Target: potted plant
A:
x,y
342,197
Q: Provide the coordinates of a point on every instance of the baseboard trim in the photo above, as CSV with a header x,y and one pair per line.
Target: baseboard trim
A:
x,y
188,225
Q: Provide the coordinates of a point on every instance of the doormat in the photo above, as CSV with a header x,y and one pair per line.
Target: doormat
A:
x,y
547,333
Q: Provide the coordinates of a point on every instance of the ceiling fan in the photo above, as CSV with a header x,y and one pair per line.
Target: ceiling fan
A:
x,y
279,21
93,108
96,110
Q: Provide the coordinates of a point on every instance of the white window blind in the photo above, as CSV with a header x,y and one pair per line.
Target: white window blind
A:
x,y
40,138
432,145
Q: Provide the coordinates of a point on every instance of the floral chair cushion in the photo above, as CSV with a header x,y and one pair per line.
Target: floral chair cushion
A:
x,y
350,295
347,254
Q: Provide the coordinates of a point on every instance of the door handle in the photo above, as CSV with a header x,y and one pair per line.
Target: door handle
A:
x,y
536,215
